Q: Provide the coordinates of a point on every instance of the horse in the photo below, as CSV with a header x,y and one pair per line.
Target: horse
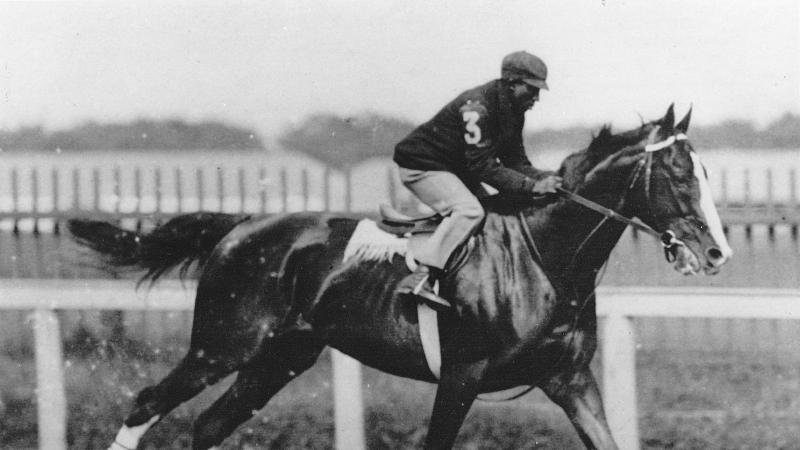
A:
x,y
274,291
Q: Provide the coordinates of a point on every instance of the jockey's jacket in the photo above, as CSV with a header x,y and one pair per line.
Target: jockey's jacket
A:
x,y
478,137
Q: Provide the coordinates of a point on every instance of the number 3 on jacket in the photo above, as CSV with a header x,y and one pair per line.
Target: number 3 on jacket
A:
x,y
473,134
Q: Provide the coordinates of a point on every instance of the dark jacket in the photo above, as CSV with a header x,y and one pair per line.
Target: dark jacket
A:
x,y
478,137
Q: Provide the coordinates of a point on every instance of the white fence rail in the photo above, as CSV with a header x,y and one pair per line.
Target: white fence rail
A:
x,y
618,305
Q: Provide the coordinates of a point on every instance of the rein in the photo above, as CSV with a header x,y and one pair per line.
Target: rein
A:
x,y
667,238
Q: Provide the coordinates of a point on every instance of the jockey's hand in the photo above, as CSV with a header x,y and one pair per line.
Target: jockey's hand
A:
x,y
547,185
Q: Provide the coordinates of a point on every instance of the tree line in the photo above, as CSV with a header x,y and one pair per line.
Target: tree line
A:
x,y
343,141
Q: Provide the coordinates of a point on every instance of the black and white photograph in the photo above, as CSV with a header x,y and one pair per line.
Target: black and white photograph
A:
x,y
387,224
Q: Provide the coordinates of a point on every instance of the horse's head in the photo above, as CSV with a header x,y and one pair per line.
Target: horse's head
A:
x,y
676,196
666,186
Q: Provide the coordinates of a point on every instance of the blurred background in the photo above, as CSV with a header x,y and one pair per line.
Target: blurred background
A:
x,y
136,112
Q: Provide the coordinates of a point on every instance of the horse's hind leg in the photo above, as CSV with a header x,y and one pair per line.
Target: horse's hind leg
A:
x,y
579,397
191,376
287,357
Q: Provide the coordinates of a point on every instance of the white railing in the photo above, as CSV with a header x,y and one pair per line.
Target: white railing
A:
x,y
618,305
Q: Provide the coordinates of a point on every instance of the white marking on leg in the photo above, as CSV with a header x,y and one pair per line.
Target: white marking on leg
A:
x,y
709,209
128,437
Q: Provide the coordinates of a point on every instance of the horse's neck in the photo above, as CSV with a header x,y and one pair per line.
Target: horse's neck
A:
x,y
574,240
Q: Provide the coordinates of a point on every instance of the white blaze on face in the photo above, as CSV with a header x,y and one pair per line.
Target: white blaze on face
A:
x,y
708,208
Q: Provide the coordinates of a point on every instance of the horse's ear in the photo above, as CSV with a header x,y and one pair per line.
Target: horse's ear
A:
x,y
668,121
600,141
683,125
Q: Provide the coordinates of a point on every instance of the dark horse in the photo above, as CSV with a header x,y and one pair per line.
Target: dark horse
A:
x,y
275,291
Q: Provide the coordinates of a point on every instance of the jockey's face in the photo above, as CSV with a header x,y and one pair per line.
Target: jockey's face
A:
x,y
523,95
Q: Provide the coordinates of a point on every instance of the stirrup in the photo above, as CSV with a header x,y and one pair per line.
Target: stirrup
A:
x,y
391,215
419,292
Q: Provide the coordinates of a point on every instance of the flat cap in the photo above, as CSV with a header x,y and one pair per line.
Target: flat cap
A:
x,y
526,67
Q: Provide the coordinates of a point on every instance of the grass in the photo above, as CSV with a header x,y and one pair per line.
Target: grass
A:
x,y
688,400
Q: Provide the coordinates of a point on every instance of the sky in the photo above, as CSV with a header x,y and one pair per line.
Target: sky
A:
x,y
269,65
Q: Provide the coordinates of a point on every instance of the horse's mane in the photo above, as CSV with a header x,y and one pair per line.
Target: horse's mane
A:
x,y
604,143
607,142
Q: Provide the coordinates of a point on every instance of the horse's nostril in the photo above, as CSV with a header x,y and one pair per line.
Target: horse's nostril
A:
x,y
714,254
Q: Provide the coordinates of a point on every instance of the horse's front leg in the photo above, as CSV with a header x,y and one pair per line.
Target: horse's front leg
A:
x,y
579,397
458,388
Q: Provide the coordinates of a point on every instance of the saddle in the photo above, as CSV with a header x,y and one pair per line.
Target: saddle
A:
x,y
417,230
399,224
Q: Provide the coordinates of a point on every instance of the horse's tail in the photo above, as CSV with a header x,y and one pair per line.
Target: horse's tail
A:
x,y
180,241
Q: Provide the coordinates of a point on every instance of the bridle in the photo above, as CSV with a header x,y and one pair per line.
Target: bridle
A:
x,y
667,238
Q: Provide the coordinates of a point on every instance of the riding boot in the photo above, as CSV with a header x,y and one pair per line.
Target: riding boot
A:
x,y
420,283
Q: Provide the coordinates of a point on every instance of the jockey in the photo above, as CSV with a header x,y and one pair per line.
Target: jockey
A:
x,y
474,139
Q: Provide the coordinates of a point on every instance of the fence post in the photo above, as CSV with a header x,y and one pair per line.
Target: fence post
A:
x,y
619,380
305,188
348,190
15,197
262,181
326,189
50,397
348,407
220,189
284,190
35,198
241,175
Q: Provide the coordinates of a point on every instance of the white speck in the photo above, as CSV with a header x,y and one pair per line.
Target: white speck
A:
x,y
230,244
144,135
292,374
58,149
200,353
271,334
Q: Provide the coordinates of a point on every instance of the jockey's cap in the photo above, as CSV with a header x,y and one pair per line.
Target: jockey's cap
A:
x,y
526,67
